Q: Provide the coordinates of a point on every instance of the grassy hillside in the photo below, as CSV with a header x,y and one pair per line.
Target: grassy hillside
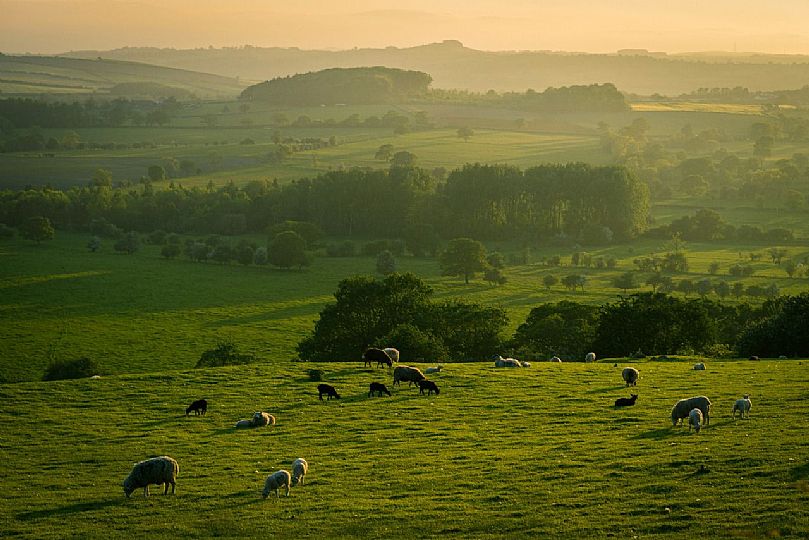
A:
x,y
38,75
139,313
539,452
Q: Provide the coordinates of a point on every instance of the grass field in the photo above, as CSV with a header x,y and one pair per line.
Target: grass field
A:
x,y
142,313
539,452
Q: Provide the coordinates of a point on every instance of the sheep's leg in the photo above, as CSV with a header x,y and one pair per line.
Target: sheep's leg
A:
x,y
166,490
146,491
287,490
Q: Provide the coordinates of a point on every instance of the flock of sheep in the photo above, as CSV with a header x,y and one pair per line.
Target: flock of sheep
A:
x,y
163,470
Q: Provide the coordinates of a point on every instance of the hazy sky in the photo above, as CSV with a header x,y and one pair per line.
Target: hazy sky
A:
x,y
48,26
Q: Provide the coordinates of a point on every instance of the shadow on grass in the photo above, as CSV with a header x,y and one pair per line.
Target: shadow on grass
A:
x,y
70,509
605,389
658,433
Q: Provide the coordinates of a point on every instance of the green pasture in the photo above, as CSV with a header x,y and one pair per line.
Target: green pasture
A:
x,y
138,313
531,453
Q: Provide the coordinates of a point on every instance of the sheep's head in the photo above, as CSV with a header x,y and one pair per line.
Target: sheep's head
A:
x,y
633,396
129,486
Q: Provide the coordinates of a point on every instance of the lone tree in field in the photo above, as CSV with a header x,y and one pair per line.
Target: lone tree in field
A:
x,y
384,152
288,249
403,158
549,280
385,263
37,228
465,133
463,257
626,281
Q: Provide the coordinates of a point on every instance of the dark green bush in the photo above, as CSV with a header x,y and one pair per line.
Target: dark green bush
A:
x,y
225,354
70,369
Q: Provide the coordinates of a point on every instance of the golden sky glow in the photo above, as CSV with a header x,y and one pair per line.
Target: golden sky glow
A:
x,y
50,26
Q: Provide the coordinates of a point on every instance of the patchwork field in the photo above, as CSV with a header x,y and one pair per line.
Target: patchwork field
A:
x,y
538,452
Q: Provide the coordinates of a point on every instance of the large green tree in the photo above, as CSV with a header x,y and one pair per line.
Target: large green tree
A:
x,y
463,257
37,228
564,329
288,249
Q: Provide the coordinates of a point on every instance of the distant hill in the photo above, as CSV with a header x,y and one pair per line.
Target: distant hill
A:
x,y
454,66
35,75
341,85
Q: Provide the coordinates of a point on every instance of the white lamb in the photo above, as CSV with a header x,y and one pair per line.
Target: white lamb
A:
x,y
699,367
556,359
695,420
590,357
392,353
276,480
743,406
432,370
299,469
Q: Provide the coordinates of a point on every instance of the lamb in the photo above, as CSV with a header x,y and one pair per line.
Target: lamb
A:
x,y
276,480
200,406
700,366
590,357
630,376
525,363
392,353
244,424
407,373
261,419
157,470
376,355
754,357
683,407
378,387
556,359
499,361
429,386
743,406
327,389
695,420
433,369
626,402
299,469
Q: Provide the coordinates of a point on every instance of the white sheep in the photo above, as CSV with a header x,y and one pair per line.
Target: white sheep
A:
x,y
261,419
630,376
556,359
244,424
695,420
499,361
525,363
743,406
299,469
700,366
157,470
683,407
435,369
392,353
276,480
590,357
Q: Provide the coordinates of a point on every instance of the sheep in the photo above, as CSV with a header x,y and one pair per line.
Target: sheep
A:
x,y
392,353
244,424
754,357
700,366
782,357
683,407
556,359
327,389
157,470
630,376
433,369
743,406
590,357
429,386
378,387
261,419
407,373
276,480
199,406
626,402
525,363
499,361
376,355
299,469
695,420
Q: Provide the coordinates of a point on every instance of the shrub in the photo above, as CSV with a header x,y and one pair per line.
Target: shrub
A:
x,y
79,368
315,375
225,354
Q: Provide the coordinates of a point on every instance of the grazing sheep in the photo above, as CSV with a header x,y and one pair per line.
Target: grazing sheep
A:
x,y
590,357
782,357
699,367
499,361
299,469
754,357
683,407
630,376
695,420
743,406
407,373
433,370
378,387
429,386
158,470
276,480
556,359
200,406
261,419
626,402
392,353
376,355
244,424
327,389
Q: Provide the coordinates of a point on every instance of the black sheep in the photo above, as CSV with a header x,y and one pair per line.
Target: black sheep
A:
x,y
378,387
327,389
626,402
376,355
427,385
200,406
